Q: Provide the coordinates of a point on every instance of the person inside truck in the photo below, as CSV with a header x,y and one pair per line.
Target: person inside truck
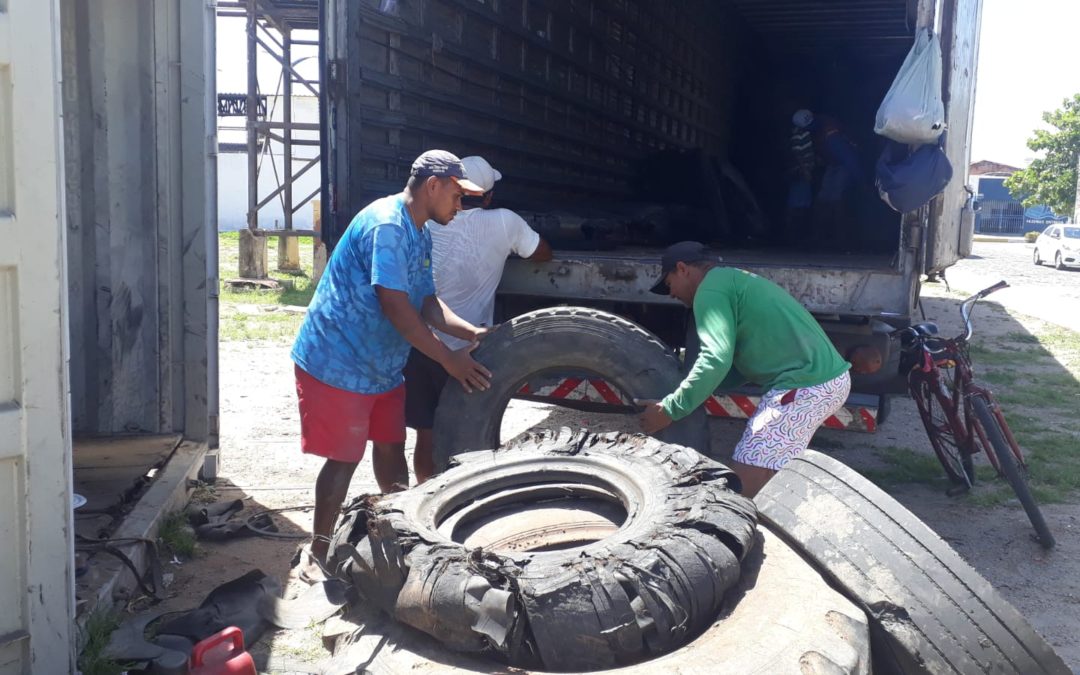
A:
x,y
750,330
375,299
840,179
801,186
468,256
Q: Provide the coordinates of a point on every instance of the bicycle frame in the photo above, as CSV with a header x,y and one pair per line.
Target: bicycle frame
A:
x,y
958,388
954,387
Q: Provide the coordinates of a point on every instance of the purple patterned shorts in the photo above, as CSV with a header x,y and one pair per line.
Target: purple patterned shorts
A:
x,y
783,424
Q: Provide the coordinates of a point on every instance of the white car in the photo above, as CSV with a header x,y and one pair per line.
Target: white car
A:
x,y
1059,244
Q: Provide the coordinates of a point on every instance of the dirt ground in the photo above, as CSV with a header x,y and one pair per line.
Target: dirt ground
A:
x,y
261,463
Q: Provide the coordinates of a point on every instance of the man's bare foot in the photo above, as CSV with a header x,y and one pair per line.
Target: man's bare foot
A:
x,y
309,569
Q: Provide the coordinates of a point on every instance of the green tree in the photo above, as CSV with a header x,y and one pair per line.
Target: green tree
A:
x,y
1051,179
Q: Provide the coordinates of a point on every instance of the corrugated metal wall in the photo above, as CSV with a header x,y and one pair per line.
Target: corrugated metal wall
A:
x,y
562,96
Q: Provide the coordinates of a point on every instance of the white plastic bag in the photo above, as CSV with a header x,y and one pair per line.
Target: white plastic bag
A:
x,y
912,111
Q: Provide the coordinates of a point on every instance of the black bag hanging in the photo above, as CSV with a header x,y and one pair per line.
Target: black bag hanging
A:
x,y
909,179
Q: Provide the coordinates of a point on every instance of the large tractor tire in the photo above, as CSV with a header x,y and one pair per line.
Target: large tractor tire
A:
x,y
569,552
576,339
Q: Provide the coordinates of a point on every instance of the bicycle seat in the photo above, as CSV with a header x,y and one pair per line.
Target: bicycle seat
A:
x,y
936,344
926,328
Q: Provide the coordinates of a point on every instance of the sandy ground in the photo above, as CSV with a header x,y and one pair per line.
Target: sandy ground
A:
x,y
262,463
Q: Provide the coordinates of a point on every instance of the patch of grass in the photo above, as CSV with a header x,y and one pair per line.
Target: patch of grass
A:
x,y
1004,355
989,494
176,534
1052,460
906,466
93,639
1022,338
1006,376
1060,339
204,493
272,326
1055,391
1024,424
297,289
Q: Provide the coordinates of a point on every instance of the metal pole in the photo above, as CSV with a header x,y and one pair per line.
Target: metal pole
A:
x,y
287,76
252,118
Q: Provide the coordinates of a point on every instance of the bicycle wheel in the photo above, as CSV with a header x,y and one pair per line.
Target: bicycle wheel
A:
x,y
993,425
942,420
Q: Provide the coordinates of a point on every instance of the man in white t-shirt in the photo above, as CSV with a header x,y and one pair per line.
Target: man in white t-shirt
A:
x,y
468,256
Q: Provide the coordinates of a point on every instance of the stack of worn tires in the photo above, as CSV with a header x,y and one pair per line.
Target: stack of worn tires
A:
x,y
621,593
577,552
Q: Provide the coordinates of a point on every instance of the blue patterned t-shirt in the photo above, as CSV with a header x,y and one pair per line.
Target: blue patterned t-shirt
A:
x,y
346,341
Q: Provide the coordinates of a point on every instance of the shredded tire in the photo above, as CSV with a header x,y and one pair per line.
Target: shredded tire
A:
x,y
642,590
929,611
624,354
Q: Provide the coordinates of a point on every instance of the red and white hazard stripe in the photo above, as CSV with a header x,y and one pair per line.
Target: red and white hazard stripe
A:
x,y
579,389
737,406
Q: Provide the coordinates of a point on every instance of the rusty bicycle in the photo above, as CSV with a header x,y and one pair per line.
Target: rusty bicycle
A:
x,y
963,418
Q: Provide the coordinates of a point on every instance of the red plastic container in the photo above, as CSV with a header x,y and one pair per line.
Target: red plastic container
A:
x,y
222,654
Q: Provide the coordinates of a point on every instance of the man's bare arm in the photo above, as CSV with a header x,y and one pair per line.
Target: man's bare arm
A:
x,y
435,312
459,364
542,253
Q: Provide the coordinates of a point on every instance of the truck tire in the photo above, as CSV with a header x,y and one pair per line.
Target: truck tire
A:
x,y
761,631
929,610
624,354
469,557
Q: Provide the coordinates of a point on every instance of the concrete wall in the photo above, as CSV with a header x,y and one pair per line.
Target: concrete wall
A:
x,y
139,122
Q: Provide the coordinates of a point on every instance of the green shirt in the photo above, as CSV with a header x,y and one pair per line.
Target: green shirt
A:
x,y
751,330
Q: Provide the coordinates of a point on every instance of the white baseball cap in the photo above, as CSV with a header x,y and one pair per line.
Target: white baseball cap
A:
x,y
802,118
480,172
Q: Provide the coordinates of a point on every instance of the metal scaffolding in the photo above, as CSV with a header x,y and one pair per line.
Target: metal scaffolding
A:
x,y
270,26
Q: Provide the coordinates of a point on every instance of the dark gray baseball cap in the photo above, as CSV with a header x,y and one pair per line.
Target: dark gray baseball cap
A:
x,y
683,252
444,165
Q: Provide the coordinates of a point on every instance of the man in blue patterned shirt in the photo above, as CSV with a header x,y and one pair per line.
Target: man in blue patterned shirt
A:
x,y
375,299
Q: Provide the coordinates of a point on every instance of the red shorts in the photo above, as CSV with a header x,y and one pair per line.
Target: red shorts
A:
x,y
337,424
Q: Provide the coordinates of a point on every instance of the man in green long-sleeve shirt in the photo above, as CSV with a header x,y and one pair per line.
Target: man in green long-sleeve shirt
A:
x,y
751,330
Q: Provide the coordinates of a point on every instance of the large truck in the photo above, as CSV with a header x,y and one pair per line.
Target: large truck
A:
x,y
621,126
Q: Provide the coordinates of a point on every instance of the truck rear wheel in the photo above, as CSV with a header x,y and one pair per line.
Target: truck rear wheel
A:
x,y
627,356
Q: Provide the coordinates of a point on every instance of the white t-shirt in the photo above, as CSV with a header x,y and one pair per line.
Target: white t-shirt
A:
x,y
468,256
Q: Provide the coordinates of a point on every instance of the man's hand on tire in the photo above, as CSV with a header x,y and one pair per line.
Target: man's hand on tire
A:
x,y
652,418
484,331
461,366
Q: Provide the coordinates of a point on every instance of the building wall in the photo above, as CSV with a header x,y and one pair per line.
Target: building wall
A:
x,y
233,176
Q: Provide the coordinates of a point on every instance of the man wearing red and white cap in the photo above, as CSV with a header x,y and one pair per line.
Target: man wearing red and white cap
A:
x,y
376,298
468,257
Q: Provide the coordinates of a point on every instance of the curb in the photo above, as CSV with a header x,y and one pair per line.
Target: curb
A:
x,y
997,240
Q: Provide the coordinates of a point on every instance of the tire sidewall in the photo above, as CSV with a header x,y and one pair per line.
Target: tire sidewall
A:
x,y
631,360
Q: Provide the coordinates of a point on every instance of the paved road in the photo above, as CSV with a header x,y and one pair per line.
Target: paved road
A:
x,y
1039,291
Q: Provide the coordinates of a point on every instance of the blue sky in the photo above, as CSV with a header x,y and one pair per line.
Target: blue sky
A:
x,y
1029,61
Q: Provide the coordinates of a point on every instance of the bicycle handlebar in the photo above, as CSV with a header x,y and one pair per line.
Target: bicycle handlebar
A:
x,y
968,305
